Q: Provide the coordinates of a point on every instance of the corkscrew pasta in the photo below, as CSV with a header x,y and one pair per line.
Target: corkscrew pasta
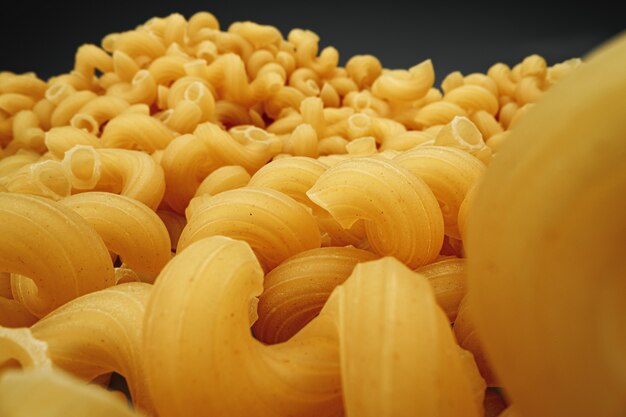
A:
x,y
238,225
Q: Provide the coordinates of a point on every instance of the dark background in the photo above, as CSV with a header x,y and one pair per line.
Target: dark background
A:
x,y
469,36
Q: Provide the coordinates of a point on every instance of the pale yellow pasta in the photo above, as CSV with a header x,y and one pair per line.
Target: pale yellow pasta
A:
x,y
206,50
303,141
486,124
332,145
501,74
405,85
364,146
343,85
85,122
136,44
57,260
561,70
461,133
306,45
496,141
252,155
19,348
407,140
222,179
364,69
27,84
305,80
212,284
82,167
275,225
438,113
70,105
136,131
297,289
23,393
166,69
483,81
387,198
43,109
12,313
358,125
312,111
259,36
449,173
124,66
448,279
133,174
104,108
46,178
465,208
184,118
507,112
26,133
528,90
285,97
473,98
453,80
89,58
520,113
59,140
175,223
534,66
107,80
128,228
383,128
12,163
141,89
186,162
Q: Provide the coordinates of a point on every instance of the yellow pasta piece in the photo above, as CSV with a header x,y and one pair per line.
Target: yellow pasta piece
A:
x,y
46,178
58,260
275,225
212,284
21,158
364,69
223,179
297,289
128,228
69,106
51,394
136,131
473,98
405,85
448,279
400,213
20,349
449,173
438,113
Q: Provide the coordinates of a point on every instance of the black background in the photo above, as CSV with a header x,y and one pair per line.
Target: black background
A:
x,y
468,36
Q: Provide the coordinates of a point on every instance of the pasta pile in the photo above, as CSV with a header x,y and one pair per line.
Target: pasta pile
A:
x,y
184,184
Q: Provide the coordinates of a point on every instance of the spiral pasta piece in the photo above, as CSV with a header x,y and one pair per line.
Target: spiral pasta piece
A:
x,y
448,279
19,348
128,228
417,365
401,214
212,284
297,289
49,257
23,393
136,131
274,225
449,173
225,178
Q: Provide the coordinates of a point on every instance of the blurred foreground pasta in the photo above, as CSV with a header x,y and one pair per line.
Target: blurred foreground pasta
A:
x,y
239,226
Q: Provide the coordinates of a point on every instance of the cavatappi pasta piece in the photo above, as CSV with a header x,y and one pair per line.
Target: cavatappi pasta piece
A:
x,y
57,260
468,338
128,228
136,131
257,149
50,394
175,223
447,277
297,289
46,178
364,69
400,213
438,113
59,140
212,285
407,140
473,98
486,124
274,225
82,167
461,133
27,84
103,109
20,349
407,85
381,345
449,173
223,179
69,106
89,58
12,313
12,163
133,174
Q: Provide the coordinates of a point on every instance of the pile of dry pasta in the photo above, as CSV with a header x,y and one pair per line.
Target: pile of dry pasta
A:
x,y
184,184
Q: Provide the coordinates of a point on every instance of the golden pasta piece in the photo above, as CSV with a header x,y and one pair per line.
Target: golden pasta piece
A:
x,y
14,314
128,228
45,178
528,90
21,158
212,285
57,260
486,123
405,85
49,394
297,289
416,365
451,81
275,225
69,106
26,84
91,57
20,349
449,173
448,279
473,98
438,113
175,223
223,179
400,213
407,140
136,131
501,74
364,69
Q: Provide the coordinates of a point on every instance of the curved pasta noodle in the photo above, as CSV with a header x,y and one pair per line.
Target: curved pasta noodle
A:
x,y
212,284
128,228
275,225
389,199
473,98
51,254
405,85
45,178
23,393
448,279
449,173
439,113
19,348
136,131
297,289
20,159
225,178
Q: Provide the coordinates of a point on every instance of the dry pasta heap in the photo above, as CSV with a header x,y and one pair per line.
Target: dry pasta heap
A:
x,y
184,184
